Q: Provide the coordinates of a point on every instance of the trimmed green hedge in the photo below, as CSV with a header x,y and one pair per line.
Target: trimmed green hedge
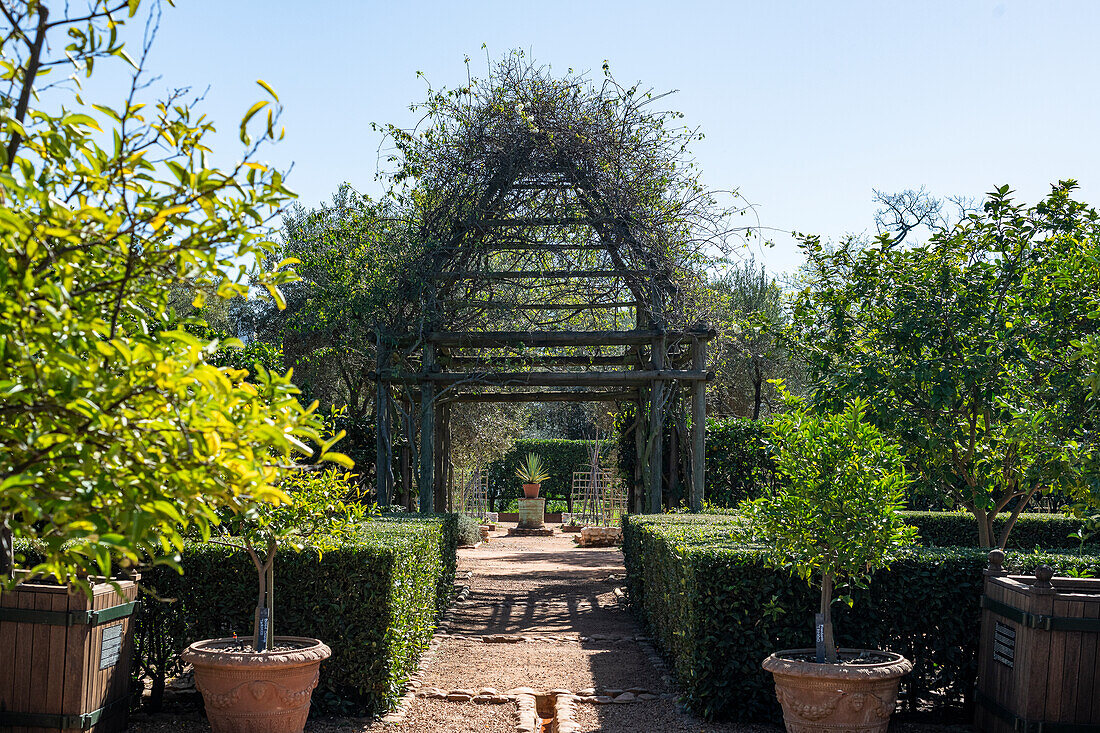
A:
x,y
737,464
375,601
561,458
717,611
1045,531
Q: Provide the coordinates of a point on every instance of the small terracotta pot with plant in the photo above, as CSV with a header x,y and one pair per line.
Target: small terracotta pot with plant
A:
x,y
833,521
264,684
532,472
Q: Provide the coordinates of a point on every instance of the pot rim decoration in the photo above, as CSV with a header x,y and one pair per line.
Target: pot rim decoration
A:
x,y
207,653
781,663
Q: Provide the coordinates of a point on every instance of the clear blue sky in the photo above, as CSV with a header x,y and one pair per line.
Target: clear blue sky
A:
x,y
806,106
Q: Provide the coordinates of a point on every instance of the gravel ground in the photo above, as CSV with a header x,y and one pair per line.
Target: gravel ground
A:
x,y
540,666
655,716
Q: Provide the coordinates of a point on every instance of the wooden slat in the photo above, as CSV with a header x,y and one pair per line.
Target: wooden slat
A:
x,y
541,221
553,379
1088,710
537,274
7,651
24,656
500,339
540,247
75,652
1052,700
608,396
496,305
39,670
55,666
499,362
1039,650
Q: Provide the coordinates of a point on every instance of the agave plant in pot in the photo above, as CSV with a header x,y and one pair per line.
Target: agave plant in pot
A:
x,y
832,521
264,684
532,472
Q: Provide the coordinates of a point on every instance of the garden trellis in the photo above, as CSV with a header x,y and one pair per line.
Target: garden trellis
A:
x,y
558,240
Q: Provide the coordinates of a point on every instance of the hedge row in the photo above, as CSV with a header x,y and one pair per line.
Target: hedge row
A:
x,y
717,611
737,465
374,601
1044,531
560,457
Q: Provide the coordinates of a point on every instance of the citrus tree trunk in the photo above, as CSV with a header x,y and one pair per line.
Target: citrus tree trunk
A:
x,y
827,619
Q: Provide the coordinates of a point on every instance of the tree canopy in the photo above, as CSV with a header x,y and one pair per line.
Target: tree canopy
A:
x,y
116,431
965,348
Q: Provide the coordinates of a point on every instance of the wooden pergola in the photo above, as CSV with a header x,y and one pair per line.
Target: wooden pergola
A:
x,y
639,365
528,230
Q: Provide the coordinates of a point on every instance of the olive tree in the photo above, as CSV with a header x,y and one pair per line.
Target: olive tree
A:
x,y
116,431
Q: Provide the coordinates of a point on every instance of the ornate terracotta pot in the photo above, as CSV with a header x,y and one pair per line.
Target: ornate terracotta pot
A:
x,y
531,491
854,696
246,692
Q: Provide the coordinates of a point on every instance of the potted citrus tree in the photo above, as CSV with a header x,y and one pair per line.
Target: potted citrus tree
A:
x,y
833,520
532,472
265,683
118,435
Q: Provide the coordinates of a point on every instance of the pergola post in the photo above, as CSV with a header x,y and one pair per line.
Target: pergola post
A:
x,y
427,432
441,500
698,424
383,445
641,437
656,429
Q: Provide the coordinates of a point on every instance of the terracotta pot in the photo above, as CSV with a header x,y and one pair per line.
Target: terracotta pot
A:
x,y
531,491
245,692
837,697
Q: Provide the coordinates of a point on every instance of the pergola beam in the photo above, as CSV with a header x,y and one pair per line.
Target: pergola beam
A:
x,y
494,305
539,274
553,379
607,396
487,363
500,339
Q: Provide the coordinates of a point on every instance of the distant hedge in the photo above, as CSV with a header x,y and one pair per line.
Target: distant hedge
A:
x,y
561,458
374,601
717,612
1031,531
737,465
1043,531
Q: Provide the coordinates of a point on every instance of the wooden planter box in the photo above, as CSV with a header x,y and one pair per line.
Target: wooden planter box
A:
x,y
1039,655
65,658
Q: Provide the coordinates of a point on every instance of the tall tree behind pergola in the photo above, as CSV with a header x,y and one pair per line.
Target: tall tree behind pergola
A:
x,y
561,230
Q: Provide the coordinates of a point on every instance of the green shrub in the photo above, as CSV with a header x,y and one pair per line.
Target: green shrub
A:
x,y
374,600
738,466
469,531
560,458
1045,531
717,611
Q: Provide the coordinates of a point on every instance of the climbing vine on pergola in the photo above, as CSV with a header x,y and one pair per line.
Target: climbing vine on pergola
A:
x,y
560,234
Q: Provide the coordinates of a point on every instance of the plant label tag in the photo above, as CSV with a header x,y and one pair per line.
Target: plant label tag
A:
x,y
262,641
819,636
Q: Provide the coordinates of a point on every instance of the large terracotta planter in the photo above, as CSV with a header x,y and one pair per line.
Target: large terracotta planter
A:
x,y
245,692
531,491
852,697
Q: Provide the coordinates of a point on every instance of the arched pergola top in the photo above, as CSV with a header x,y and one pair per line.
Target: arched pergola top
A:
x,y
556,230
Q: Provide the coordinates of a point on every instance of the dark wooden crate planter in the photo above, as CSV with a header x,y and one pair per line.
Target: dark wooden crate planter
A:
x,y
65,658
1039,656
